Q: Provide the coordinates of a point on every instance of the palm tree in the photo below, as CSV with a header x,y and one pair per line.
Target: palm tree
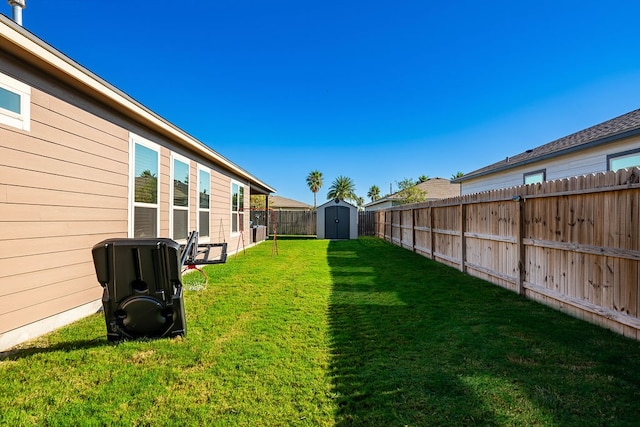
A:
x,y
457,175
314,181
423,178
374,193
342,188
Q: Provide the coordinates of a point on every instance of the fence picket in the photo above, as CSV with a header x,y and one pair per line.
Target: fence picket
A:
x,y
573,244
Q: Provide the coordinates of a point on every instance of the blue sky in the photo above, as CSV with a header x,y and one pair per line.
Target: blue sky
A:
x,y
377,91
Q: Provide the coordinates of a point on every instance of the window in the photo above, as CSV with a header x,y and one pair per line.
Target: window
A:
x,y
144,182
535,177
626,159
15,103
237,208
180,197
204,201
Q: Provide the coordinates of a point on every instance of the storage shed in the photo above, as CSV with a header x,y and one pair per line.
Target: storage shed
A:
x,y
337,219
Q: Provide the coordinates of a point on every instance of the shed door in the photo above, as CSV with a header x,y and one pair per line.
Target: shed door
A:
x,y
336,222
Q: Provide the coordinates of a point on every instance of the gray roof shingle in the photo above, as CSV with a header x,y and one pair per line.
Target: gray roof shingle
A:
x,y
625,125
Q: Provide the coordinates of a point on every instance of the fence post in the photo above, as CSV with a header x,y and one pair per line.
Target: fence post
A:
x,y
400,227
413,230
520,245
463,242
431,233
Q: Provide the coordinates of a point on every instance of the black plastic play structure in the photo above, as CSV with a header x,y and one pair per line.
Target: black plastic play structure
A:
x,y
142,281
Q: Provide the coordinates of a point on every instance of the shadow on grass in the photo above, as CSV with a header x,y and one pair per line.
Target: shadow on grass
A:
x,y
26,352
293,237
417,343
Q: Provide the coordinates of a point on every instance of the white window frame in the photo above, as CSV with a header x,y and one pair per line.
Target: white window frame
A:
x,y
621,155
133,140
172,207
205,169
20,120
240,226
541,172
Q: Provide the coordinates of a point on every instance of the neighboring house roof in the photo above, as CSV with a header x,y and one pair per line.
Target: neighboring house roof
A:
x,y
36,52
278,202
435,189
609,131
439,188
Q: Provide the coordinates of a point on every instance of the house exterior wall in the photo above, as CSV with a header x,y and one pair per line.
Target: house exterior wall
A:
x,y
65,186
384,204
578,163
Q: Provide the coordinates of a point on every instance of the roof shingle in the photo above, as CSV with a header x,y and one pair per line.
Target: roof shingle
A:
x,y
625,125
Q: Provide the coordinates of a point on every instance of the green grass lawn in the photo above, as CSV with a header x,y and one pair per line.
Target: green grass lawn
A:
x,y
333,333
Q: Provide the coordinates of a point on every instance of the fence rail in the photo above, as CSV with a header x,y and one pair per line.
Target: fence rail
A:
x,y
573,244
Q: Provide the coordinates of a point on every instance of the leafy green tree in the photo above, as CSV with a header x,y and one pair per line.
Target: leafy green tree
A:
x,y
314,181
374,193
457,175
342,188
259,202
409,192
423,178
405,183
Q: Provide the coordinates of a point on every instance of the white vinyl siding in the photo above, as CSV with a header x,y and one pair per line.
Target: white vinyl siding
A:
x,y
578,163
15,103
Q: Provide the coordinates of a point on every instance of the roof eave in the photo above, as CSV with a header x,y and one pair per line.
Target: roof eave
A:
x,y
569,150
28,47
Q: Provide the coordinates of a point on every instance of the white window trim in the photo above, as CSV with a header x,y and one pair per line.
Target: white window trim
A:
x,y
22,120
198,209
133,140
621,155
183,159
542,172
239,184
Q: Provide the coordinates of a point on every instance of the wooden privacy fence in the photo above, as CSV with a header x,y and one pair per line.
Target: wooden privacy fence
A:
x,y
366,223
293,222
573,244
305,222
287,222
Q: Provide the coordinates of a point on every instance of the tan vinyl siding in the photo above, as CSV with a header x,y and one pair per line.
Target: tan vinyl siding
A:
x,y
45,262
33,287
220,207
64,188
41,310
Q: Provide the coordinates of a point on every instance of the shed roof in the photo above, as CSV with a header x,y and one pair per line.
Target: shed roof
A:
x,y
23,44
340,202
612,130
